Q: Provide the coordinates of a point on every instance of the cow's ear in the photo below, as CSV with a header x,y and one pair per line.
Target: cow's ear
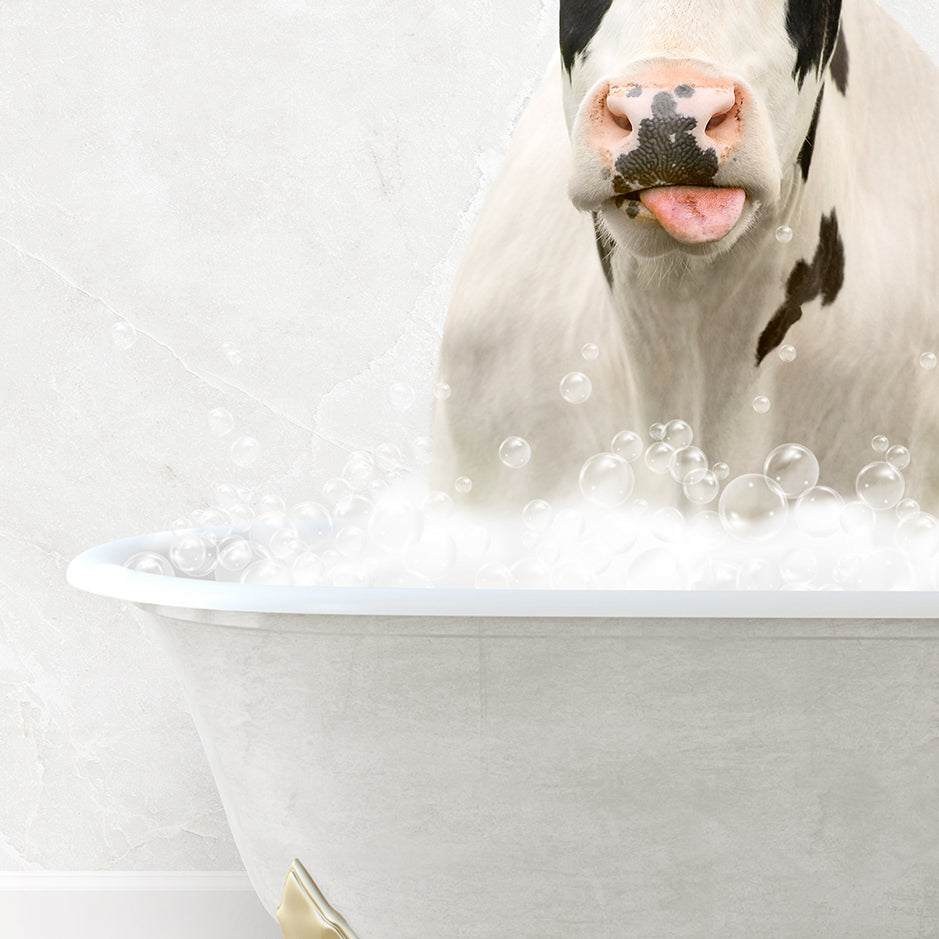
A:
x,y
579,21
813,27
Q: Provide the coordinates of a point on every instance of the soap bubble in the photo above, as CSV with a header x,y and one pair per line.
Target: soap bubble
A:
x,y
884,569
687,460
355,508
350,541
311,519
394,525
575,387
437,507
421,449
537,514
606,480
657,431
514,452
463,484
220,422
761,404
918,535
334,491
628,445
245,451
388,457
701,486
857,519
678,434
263,529
286,543
270,502
493,576
192,554
791,469
568,526
235,554
267,572
308,569
531,573
898,456
818,511
123,335
400,396
880,485
590,351
906,508
442,391
359,469
656,569
668,523
474,541
751,509
434,555
928,360
659,457
348,575
880,443
784,234
231,352
720,470
150,562
787,353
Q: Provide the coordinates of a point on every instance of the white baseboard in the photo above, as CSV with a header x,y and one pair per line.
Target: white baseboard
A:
x,y
131,905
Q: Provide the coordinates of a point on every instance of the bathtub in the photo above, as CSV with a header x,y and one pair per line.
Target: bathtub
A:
x,y
472,764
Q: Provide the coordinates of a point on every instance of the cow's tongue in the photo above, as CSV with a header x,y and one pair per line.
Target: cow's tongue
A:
x,y
694,214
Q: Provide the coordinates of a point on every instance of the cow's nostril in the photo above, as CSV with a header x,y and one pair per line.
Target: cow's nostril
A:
x,y
622,121
716,121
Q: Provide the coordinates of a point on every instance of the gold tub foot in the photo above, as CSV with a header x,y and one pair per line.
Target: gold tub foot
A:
x,y
304,913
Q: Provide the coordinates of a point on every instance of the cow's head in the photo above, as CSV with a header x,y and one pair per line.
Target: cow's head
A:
x,y
688,117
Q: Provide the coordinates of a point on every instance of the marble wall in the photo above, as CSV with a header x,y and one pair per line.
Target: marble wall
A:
x,y
269,198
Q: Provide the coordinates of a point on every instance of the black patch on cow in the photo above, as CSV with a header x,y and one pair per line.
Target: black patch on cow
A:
x,y
684,91
804,159
579,20
667,152
823,278
839,63
813,30
605,246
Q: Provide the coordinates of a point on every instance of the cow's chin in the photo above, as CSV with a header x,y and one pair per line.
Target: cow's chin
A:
x,y
644,237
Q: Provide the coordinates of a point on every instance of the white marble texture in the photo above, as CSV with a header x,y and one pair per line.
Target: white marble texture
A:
x,y
296,178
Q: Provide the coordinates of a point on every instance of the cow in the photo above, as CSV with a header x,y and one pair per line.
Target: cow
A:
x,y
735,208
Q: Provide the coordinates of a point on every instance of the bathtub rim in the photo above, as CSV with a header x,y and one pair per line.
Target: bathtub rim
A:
x,y
99,570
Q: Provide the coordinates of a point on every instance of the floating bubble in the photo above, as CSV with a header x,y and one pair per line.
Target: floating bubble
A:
x,y
394,525
590,351
758,574
885,569
784,234
668,523
220,422
350,541
400,396
267,572
311,519
791,469
421,449
192,554
918,535
606,480
359,469
438,506
761,404
880,443
678,434
270,502
442,391
245,451
659,457
150,562
334,491
308,569
388,457
787,353
928,360
123,335
474,541
568,525
906,508
463,484
898,456
628,445
514,452
701,486
687,460
818,511
657,431
235,554
573,574
751,509
880,485
286,543
537,514
575,387
720,470
706,529
355,508
857,519
263,529
231,352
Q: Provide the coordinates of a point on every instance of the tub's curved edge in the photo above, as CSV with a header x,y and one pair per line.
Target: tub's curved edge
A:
x,y
100,571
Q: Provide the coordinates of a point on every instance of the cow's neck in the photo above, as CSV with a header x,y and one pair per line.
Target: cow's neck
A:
x,y
691,332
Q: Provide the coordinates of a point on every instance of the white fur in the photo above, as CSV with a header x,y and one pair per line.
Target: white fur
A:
x,y
678,335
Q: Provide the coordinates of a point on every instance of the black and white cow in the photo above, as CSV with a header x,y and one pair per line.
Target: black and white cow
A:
x,y
638,210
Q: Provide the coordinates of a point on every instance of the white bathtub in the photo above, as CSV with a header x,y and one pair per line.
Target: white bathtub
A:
x,y
562,764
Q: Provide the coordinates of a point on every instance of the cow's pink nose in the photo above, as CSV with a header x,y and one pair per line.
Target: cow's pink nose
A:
x,y
665,114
